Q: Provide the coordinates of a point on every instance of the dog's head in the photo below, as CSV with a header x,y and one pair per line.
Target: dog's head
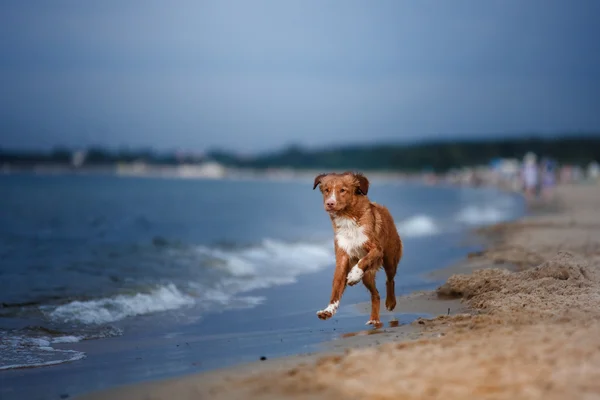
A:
x,y
341,192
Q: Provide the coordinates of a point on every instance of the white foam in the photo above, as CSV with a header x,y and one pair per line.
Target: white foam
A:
x,y
67,339
272,263
74,356
418,226
26,352
117,308
480,215
39,342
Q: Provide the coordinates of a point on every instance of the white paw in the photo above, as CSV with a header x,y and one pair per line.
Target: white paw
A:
x,y
329,311
373,322
332,308
355,275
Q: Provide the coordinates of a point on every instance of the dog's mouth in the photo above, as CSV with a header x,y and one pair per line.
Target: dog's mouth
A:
x,y
331,209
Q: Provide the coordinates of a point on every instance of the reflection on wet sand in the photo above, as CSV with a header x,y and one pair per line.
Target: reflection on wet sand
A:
x,y
376,329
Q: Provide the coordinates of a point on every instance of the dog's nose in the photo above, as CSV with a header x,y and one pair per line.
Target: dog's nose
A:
x,y
330,203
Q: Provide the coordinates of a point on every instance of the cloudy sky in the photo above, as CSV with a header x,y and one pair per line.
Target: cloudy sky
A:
x,y
257,75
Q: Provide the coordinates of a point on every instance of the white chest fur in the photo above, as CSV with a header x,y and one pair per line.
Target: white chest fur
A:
x,y
350,237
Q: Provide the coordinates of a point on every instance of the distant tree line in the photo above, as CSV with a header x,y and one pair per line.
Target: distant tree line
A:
x,y
437,156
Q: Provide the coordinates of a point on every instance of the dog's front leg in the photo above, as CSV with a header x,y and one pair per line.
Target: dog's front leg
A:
x,y
373,259
342,264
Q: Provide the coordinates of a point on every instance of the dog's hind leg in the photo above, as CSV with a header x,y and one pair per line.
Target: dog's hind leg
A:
x,y
369,282
390,264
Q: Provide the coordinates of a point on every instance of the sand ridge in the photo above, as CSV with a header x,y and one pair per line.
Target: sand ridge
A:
x,y
559,287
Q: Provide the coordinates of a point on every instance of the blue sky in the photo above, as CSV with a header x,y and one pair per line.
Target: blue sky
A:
x,y
257,75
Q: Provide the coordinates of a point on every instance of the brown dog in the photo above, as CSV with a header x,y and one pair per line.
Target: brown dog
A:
x,y
365,239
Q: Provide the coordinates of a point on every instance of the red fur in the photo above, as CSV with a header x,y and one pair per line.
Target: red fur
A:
x,y
382,247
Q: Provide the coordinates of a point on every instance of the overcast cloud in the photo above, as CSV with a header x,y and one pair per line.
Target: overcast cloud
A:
x,y
258,75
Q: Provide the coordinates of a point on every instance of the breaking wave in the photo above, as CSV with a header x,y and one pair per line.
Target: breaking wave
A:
x,y
273,261
107,310
418,226
481,215
224,274
36,346
18,351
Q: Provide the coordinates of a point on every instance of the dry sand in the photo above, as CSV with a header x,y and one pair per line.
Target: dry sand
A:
x,y
527,326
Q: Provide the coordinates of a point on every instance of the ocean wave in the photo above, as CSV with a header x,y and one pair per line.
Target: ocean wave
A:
x,y
224,274
271,260
67,339
116,308
418,226
34,346
272,263
481,215
18,351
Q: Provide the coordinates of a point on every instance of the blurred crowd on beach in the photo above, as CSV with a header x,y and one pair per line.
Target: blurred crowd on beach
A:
x,y
538,177
534,176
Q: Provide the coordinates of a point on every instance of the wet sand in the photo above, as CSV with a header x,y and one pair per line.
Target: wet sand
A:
x,y
524,322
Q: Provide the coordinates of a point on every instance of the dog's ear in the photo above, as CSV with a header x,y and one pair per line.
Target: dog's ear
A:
x,y
318,180
363,184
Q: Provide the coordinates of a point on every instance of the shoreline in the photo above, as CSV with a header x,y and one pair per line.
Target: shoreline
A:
x,y
419,302
535,285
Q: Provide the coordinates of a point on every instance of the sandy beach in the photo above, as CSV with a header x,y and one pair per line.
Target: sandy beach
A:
x,y
518,320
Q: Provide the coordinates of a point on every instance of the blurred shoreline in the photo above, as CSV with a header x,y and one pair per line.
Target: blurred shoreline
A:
x,y
463,162
503,174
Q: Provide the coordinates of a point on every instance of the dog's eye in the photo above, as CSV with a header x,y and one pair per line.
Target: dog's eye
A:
x,y
326,190
342,190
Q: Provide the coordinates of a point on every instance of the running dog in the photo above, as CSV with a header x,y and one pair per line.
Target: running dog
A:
x,y
365,239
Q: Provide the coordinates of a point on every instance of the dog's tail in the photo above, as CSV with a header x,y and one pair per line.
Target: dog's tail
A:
x,y
401,249
393,235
